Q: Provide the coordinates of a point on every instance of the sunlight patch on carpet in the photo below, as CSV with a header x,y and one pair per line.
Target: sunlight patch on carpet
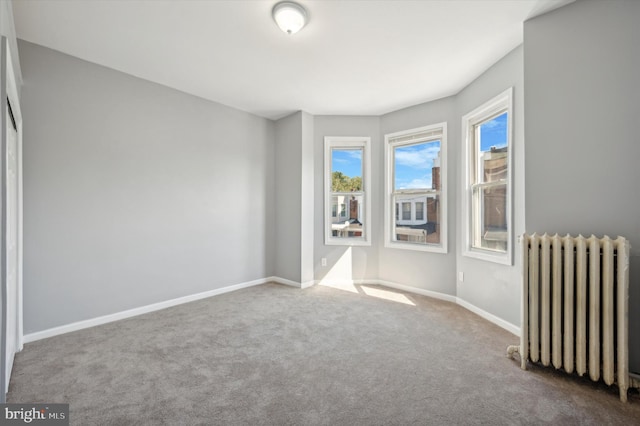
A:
x,y
387,295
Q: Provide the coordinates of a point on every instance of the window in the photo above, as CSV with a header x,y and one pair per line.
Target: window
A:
x,y
347,187
419,211
487,132
415,178
343,206
406,211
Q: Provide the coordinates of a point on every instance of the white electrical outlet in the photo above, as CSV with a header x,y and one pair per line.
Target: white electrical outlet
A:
x,y
324,261
461,277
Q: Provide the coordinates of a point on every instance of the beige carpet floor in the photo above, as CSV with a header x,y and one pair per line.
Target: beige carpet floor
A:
x,y
275,355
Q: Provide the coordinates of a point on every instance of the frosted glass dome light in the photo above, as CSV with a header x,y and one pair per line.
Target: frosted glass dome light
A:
x,y
289,16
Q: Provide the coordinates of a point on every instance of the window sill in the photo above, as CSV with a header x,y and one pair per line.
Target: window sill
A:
x,y
415,247
346,242
489,256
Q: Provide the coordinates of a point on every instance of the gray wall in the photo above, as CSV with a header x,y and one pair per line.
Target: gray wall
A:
x,y
288,151
490,286
582,103
135,193
294,198
358,262
424,270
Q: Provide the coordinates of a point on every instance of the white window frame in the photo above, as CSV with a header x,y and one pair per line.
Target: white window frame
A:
x,y
389,201
348,142
497,105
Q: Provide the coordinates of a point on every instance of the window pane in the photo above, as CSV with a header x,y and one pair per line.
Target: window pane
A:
x,y
406,211
346,177
349,224
346,170
425,227
491,143
490,218
417,166
419,211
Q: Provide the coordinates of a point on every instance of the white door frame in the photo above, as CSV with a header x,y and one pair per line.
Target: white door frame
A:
x,y
9,92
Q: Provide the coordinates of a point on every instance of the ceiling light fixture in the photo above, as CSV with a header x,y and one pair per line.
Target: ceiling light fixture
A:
x,y
289,16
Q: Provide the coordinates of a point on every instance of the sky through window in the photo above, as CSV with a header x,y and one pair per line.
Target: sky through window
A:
x,y
413,164
494,133
347,161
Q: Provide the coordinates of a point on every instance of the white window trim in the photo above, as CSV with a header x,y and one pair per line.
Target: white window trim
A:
x,y
357,142
389,206
501,102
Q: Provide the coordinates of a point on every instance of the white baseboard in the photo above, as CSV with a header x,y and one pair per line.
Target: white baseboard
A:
x,y
416,290
449,298
80,325
292,283
489,317
285,282
307,284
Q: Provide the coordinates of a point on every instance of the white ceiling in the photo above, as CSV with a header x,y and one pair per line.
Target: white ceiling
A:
x,y
353,57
